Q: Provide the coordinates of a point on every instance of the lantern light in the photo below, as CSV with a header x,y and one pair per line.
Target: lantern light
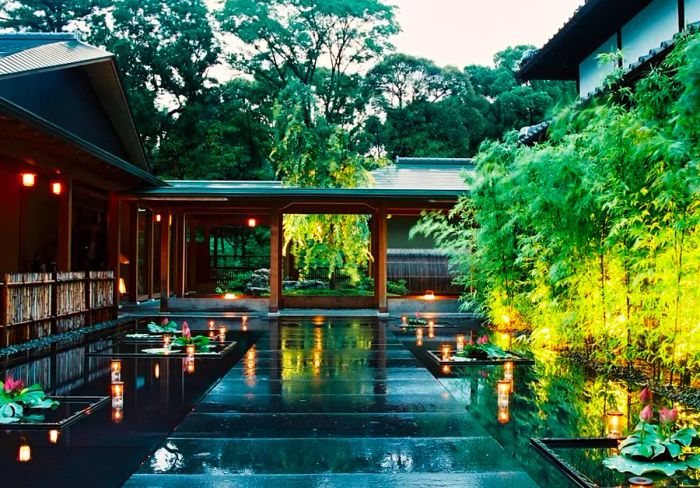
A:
x,y
460,342
229,296
56,188
117,389
190,350
25,452
117,415
116,368
122,286
53,436
252,222
189,364
508,371
429,295
446,369
446,352
614,424
158,217
28,179
211,325
639,481
503,390
503,415
156,371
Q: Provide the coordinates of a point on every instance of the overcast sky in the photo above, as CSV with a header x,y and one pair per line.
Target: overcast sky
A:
x,y
461,32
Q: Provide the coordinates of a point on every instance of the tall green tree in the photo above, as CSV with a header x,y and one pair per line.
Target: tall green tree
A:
x,y
49,15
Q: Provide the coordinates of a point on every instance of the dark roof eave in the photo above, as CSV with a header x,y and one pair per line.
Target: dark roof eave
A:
x,y
166,193
86,146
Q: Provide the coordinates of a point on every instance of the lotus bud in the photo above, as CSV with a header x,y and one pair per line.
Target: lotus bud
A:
x,y
667,416
483,339
645,396
164,322
646,414
186,333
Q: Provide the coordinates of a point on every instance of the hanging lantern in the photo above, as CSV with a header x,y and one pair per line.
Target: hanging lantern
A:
x,y
252,222
615,424
56,187
116,368
28,179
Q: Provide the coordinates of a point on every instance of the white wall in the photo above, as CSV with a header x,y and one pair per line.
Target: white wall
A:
x,y
658,22
591,72
692,11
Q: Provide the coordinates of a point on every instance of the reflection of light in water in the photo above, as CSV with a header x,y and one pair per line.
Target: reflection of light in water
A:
x,y
249,371
53,436
167,458
503,414
394,461
189,364
156,371
117,415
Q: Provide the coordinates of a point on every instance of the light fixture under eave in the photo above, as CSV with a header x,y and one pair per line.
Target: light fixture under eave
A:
x,y
122,286
429,295
28,179
157,217
56,187
252,222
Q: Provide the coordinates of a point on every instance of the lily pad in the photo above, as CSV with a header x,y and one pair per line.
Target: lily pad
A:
x,y
625,464
159,350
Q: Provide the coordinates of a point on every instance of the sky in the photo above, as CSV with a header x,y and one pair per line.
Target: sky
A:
x,y
462,32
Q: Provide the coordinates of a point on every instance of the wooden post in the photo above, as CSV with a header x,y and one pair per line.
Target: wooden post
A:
x,y
164,260
114,243
65,227
148,263
380,261
180,264
192,254
276,241
132,285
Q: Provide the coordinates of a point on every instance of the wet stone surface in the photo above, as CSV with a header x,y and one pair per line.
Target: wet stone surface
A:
x,y
329,405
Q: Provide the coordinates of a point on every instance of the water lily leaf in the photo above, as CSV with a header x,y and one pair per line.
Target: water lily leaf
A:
x,y
674,449
11,410
693,461
625,464
684,436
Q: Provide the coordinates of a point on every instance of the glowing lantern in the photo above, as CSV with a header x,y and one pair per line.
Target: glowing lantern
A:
x,y
122,286
166,342
503,415
190,350
116,368
614,424
56,188
446,352
25,452
503,390
222,333
429,295
229,296
157,217
28,179
639,481
446,369
252,222
508,371
460,342
211,325
53,436
117,394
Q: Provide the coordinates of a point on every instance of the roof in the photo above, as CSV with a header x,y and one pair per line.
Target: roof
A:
x,y
591,24
409,177
26,54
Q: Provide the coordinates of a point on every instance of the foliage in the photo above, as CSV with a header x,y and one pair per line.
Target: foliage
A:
x,y
591,238
166,327
482,348
16,401
398,287
49,15
237,284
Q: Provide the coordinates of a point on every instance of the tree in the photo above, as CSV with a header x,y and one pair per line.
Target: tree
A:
x,y
49,15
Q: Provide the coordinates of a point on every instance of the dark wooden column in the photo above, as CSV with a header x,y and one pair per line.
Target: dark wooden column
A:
x,y
180,263
132,286
114,242
148,258
65,227
191,276
164,260
380,260
276,240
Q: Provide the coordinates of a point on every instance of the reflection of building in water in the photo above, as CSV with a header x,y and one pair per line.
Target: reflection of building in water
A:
x,y
249,371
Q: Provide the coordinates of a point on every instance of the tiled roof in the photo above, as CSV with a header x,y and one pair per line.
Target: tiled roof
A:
x,y
23,53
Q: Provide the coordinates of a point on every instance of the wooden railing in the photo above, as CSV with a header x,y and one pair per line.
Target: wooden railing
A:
x,y
34,305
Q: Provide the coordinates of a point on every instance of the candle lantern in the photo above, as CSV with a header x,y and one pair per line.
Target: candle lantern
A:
x,y
25,452
615,424
429,295
639,481
53,436
116,369
446,352
222,333
503,389
190,350
211,325
460,342
503,414
28,179
166,342
508,371
117,415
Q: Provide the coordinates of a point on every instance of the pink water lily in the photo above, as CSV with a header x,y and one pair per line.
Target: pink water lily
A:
x,y
645,396
12,385
186,333
646,414
165,322
483,339
667,416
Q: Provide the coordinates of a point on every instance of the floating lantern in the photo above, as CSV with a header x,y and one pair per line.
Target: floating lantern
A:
x,y
446,352
503,414
53,436
25,452
190,350
429,295
166,342
122,286
56,188
156,371
503,390
117,415
229,296
615,424
508,371
460,342
28,179
639,481
252,222
212,325
157,217
116,368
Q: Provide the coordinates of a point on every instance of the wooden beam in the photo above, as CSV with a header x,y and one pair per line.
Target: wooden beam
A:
x,y
132,286
65,227
276,242
164,260
380,261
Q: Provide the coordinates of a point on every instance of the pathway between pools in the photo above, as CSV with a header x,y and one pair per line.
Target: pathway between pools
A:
x,y
331,404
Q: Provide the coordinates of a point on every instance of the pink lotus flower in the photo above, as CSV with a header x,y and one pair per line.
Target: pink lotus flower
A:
x,y
645,396
12,386
165,322
646,414
470,341
483,339
667,416
186,333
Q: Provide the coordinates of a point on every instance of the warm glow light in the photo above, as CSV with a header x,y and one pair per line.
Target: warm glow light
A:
x,y
211,325
28,179
505,318
508,371
116,368
56,188
117,415
166,341
252,222
429,295
639,481
25,453
446,369
117,389
503,415
189,364
446,352
222,333
460,342
615,424
431,331
158,217
122,286
156,371
503,389
404,320
190,350
229,296
53,436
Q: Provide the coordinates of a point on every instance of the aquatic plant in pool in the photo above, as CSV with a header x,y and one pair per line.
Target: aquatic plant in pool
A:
x,y
200,342
166,327
482,348
656,446
17,402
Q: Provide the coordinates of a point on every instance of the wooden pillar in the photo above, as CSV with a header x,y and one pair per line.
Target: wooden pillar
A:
x,y
65,228
192,254
276,241
180,263
164,260
380,261
114,242
148,258
132,286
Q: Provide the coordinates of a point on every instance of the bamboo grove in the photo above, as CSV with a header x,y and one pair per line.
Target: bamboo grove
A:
x,y
591,239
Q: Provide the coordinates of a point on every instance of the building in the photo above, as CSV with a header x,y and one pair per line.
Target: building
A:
x,y
642,30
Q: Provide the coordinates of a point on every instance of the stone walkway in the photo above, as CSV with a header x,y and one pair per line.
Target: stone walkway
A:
x,y
329,405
